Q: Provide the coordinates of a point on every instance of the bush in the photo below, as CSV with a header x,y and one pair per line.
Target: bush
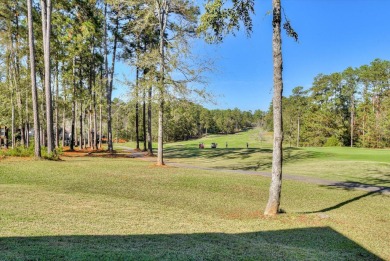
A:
x,y
21,151
332,142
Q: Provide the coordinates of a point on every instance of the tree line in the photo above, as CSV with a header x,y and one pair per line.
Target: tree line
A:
x,y
184,120
348,108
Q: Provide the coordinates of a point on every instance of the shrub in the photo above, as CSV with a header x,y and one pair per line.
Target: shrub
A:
x,y
21,151
332,142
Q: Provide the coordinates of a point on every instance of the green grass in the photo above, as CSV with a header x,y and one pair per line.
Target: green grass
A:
x,y
85,208
370,166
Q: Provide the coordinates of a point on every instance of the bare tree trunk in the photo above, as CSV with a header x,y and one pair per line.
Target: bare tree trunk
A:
x,y
160,159
94,143
107,73
144,117
46,30
57,132
76,139
63,126
150,144
13,140
37,142
42,135
352,119
27,123
101,109
298,130
94,128
90,126
137,108
110,76
73,130
81,125
277,157
42,125
64,114
162,17
16,75
100,126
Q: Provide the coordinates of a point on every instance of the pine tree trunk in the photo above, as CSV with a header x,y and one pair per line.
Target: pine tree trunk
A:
x,y
90,127
109,77
46,30
272,207
73,128
160,159
76,139
144,118
16,74
100,126
42,125
352,119
13,140
150,144
81,125
27,122
100,108
63,116
57,132
162,16
137,109
37,142
63,126
298,130
94,143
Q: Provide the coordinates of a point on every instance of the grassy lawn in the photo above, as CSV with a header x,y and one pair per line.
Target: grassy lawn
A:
x,y
85,208
369,166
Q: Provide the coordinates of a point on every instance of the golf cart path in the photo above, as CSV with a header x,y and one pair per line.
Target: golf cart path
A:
x,y
312,180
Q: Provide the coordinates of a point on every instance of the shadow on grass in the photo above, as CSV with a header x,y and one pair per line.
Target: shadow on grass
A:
x,y
261,158
318,243
229,153
373,188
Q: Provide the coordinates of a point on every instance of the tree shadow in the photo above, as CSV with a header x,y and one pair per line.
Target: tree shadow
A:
x,y
225,153
317,243
236,155
373,189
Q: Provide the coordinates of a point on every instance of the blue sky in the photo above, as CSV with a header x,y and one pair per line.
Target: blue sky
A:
x,y
333,35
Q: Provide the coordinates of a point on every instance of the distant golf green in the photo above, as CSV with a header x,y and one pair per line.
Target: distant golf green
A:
x,y
369,166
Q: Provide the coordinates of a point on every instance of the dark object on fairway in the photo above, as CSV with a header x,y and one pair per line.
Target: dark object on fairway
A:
x,y
247,145
226,145
214,145
201,145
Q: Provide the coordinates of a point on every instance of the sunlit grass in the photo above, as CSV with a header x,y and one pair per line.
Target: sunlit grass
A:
x,y
130,209
369,166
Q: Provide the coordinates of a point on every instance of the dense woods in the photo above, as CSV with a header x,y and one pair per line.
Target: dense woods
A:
x,y
348,108
58,63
